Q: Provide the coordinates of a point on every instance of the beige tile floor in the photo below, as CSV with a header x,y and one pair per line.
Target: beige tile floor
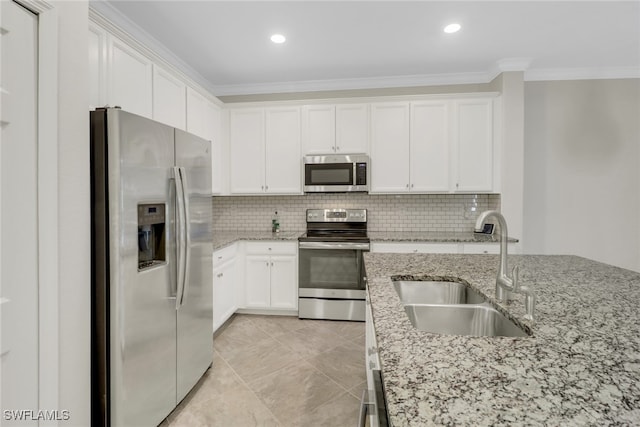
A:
x,y
279,371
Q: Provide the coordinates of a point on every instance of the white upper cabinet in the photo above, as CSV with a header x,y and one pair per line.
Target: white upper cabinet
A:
x,y
473,145
341,129
265,150
283,166
168,99
434,146
390,147
429,147
197,114
246,145
130,79
319,129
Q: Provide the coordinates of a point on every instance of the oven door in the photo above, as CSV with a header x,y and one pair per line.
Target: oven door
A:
x,y
331,270
331,281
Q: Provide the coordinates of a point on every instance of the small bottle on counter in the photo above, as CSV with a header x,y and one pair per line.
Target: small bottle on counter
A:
x,y
275,223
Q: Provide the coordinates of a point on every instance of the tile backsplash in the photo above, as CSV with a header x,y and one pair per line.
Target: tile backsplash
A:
x,y
404,213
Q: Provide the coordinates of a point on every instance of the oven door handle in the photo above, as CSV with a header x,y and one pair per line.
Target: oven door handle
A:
x,y
334,245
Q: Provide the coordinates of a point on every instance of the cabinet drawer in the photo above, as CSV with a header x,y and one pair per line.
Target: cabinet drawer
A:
x,y
272,247
223,255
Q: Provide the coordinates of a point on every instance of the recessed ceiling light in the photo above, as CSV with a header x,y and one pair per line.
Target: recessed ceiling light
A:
x,y
278,38
452,28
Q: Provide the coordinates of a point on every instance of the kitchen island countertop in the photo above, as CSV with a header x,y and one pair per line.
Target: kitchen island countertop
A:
x,y
581,366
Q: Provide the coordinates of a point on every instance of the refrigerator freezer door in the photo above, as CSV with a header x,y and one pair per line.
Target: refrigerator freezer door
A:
x,y
142,302
195,313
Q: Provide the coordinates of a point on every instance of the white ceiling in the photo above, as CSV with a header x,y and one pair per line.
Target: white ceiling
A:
x,y
358,44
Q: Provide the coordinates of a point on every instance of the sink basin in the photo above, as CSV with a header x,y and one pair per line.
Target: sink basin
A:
x,y
475,320
436,292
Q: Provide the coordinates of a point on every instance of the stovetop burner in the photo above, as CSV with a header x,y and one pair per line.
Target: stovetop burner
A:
x,y
336,225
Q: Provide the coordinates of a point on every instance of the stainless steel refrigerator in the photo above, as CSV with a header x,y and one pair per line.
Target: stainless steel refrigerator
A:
x,y
152,267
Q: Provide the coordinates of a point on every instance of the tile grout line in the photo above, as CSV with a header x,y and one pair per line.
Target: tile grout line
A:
x,y
244,383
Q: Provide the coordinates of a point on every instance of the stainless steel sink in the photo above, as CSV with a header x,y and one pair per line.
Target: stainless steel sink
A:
x,y
467,319
436,292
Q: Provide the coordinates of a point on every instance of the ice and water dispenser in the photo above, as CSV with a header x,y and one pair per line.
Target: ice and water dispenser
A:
x,y
151,235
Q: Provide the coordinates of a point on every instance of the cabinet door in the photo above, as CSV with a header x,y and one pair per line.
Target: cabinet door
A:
x,y
168,99
390,147
318,129
130,79
224,301
247,157
284,283
429,165
352,128
473,142
257,280
97,67
283,161
196,112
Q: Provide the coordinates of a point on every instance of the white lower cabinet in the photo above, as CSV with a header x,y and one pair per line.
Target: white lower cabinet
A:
x,y
224,285
271,277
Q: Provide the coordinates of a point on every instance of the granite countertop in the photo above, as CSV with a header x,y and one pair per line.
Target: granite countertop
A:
x,y
225,238
431,236
222,238
581,366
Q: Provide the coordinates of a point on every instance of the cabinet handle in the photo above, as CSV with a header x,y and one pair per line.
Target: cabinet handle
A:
x,y
411,185
269,248
266,187
333,148
271,264
262,187
337,148
219,257
415,251
267,263
457,185
407,186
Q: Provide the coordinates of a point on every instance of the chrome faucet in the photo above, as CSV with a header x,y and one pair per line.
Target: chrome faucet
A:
x,y
506,284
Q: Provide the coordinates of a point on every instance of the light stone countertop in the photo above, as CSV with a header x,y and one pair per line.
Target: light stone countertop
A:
x,y
222,238
225,238
580,367
434,237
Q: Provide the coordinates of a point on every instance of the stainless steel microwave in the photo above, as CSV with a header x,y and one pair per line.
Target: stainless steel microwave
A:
x,y
336,173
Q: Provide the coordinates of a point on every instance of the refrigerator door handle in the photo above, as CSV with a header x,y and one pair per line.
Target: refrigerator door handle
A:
x,y
180,235
187,229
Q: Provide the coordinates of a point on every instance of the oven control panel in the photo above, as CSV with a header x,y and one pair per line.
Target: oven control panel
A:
x,y
336,215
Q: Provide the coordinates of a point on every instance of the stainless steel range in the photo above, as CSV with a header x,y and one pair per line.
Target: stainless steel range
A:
x,y
331,272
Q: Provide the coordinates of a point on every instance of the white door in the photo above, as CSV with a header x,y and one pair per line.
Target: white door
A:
x,y
283,164
168,99
246,140
352,128
390,147
430,146
284,287
319,129
473,135
130,79
18,211
258,287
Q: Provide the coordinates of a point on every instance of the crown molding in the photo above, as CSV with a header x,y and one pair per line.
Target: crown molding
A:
x,y
547,74
354,84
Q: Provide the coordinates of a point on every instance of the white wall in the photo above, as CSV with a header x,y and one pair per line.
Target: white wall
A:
x,y
582,163
74,212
